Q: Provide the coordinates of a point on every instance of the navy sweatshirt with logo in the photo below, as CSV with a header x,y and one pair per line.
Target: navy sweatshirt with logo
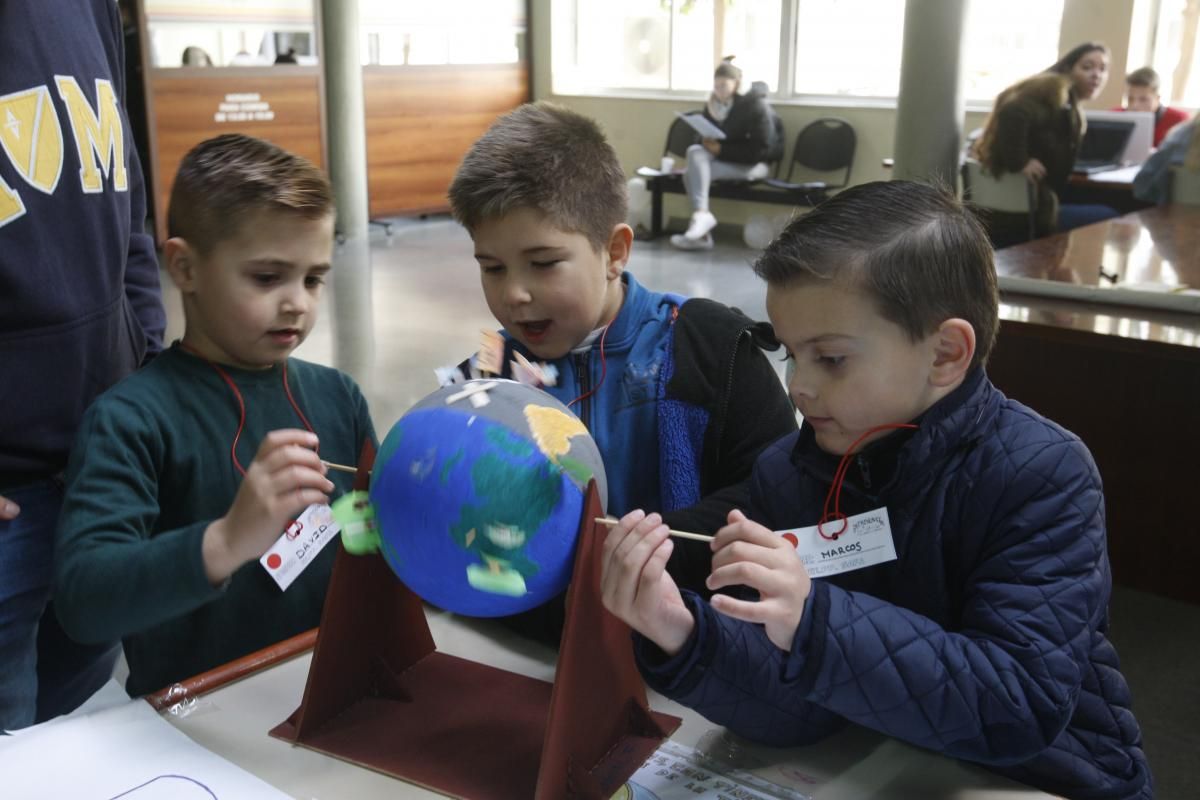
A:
x,y
80,305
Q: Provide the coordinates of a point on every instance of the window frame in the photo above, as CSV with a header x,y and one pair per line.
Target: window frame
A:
x,y
783,95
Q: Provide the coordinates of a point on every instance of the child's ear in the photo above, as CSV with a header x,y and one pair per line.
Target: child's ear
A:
x,y
953,350
620,245
180,262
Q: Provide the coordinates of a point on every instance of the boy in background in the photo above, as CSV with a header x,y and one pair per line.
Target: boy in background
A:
x,y
675,392
188,471
1141,94
981,634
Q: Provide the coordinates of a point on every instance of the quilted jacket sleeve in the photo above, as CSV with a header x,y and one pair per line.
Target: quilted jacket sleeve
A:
x,y
719,673
996,688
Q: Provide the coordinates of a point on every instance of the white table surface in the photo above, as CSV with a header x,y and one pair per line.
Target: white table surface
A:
x,y
856,763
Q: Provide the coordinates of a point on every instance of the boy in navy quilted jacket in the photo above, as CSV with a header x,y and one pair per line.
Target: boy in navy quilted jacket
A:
x,y
957,537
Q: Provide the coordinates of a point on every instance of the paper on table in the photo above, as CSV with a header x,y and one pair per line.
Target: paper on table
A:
x,y
109,695
676,772
125,751
701,125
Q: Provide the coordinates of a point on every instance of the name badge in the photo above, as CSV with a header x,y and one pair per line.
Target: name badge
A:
x,y
304,537
865,541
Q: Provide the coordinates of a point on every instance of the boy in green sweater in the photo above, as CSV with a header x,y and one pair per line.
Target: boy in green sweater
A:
x,y
186,473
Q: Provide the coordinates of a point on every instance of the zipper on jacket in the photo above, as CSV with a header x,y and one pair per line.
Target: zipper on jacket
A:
x,y
583,378
864,469
724,406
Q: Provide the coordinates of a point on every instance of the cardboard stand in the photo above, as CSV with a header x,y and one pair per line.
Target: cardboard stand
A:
x,y
380,695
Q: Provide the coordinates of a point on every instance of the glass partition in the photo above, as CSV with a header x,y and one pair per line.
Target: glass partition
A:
x,y
241,33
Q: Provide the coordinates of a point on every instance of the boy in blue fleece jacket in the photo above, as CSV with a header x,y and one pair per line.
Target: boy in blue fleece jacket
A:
x,y
981,635
676,393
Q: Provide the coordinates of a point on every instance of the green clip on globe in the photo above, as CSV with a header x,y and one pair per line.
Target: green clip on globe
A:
x,y
476,498
356,518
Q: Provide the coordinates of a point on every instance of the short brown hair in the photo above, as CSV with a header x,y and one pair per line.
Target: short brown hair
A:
x,y
222,180
915,249
727,69
548,158
1146,76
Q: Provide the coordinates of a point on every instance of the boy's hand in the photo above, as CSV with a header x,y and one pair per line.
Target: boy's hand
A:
x,y
8,509
285,477
747,554
635,586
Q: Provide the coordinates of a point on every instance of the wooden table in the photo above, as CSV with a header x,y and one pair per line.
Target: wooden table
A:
x,y
232,721
1113,188
1125,379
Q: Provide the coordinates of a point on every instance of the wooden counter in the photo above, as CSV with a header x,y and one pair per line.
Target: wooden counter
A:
x,y
1125,379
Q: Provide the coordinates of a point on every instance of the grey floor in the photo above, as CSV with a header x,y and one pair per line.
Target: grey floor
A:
x,y
413,303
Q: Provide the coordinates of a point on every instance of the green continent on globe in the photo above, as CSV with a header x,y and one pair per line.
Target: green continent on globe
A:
x,y
513,501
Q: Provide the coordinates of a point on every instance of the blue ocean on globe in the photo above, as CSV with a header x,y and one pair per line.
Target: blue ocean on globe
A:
x,y
473,517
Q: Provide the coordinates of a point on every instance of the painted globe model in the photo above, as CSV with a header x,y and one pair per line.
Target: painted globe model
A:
x,y
477,494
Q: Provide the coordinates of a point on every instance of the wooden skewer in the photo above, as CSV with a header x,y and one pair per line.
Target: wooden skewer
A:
x,y
699,537
340,467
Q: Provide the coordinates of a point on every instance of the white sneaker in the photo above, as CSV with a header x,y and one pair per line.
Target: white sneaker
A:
x,y
702,222
758,172
684,242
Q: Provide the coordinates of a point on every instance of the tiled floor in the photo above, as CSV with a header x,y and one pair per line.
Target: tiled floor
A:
x,y
413,303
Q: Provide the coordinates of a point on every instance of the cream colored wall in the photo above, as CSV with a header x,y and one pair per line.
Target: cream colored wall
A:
x,y
1106,21
637,127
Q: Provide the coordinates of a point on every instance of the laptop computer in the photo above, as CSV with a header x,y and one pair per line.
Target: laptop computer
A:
x,y
1103,146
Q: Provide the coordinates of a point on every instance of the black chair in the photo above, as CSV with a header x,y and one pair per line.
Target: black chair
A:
x,y
780,136
825,145
1006,206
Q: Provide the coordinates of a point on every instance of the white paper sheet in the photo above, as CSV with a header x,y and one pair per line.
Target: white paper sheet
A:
x,y
701,125
677,772
125,751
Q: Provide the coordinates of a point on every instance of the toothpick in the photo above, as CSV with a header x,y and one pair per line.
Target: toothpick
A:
x,y
340,467
698,537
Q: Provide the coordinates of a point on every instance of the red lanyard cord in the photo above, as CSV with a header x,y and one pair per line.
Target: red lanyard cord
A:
x,y
603,370
241,401
839,477
288,391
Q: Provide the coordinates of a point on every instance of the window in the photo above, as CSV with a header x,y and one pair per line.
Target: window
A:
x,y
1006,42
229,33
1172,49
661,45
841,48
849,47
442,32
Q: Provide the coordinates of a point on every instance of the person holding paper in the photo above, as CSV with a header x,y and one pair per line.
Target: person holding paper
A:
x,y
186,473
750,142
925,557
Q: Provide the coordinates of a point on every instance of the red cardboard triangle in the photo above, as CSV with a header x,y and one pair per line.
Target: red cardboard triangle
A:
x,y
380,695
